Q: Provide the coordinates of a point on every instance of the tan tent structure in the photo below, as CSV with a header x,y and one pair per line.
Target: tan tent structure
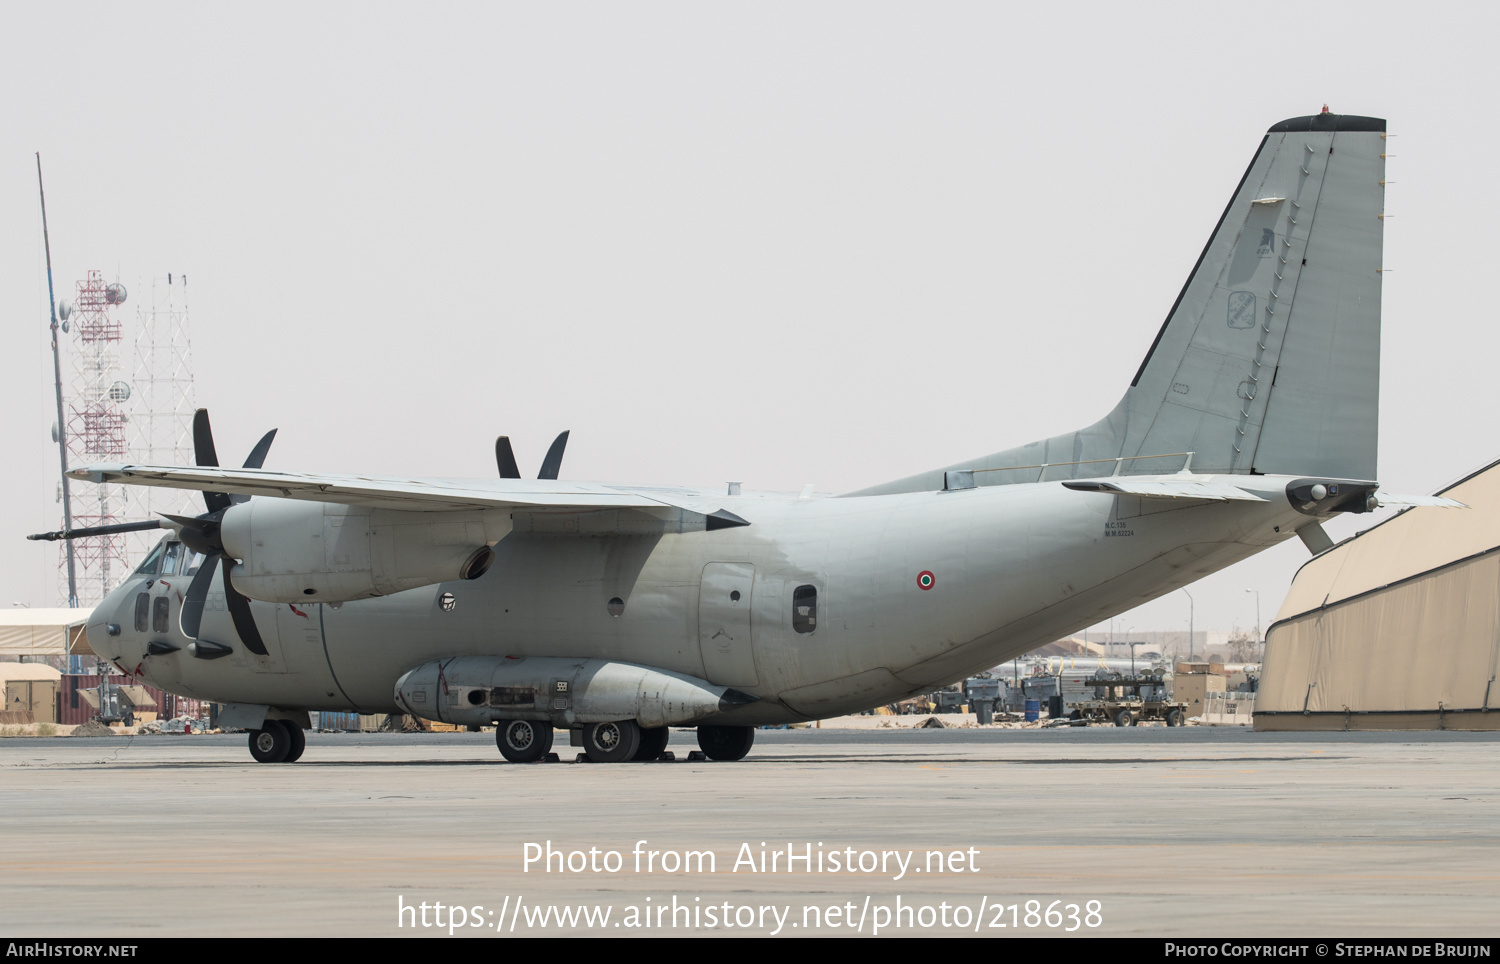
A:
x,y
44,632
1397,628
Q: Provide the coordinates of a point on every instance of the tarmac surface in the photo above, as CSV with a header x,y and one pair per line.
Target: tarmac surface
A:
x,y
1191,832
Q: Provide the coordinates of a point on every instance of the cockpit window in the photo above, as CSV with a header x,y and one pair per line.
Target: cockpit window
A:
x,y
174,556
142,611
153,561
805,609
194,560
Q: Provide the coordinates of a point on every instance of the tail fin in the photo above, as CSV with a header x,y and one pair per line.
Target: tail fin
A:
x,y
1269,361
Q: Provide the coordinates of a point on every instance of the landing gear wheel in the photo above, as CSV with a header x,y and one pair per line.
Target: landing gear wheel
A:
x,y
613,742
297,741
523,741
653,744
1123,718
1174,717
271,744
725,742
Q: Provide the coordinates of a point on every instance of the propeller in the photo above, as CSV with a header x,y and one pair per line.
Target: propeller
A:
x,y
505,458
202,534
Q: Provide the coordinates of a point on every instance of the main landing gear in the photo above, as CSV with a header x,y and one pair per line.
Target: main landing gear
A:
x,y
619,741
725,742
281,741
523,741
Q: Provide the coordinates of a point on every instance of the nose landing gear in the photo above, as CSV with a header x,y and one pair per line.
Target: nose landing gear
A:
x,y
280,741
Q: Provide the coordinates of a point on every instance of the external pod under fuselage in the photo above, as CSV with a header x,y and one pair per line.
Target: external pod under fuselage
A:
x,y
479,690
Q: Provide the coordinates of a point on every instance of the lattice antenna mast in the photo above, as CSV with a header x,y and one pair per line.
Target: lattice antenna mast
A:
x,y
62,444
161,404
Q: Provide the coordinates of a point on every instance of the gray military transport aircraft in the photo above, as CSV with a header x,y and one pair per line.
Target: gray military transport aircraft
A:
x,y
618,611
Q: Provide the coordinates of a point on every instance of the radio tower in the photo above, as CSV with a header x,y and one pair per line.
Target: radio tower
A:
x,y
95,431
161,406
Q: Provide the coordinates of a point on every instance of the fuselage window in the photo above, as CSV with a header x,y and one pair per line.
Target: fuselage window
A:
x,y
142,612
152,561
159,615
805,609
174,556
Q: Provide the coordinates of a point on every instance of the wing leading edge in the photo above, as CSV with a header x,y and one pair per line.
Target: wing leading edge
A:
x,y
430,495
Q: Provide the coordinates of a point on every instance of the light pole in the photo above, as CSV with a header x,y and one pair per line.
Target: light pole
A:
x,y
1190,624
1257,617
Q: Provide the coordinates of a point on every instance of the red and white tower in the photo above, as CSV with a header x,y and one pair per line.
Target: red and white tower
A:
x,y
95,430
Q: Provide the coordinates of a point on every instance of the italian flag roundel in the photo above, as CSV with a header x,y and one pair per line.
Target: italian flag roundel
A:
x,y
925,579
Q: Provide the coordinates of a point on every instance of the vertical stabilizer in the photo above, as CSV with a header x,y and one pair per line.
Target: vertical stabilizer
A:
x,y
1269,360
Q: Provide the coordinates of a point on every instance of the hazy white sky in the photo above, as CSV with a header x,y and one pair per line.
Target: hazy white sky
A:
x,y
781,243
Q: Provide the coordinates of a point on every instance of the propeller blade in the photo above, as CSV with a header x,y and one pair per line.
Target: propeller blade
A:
x,y
553,462
244,621
203,439
506,459
192,603
203,449
256,460
258,454
88,531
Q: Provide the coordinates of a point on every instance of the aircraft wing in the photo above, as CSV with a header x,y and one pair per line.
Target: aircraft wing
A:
x,y
1212,491
432,495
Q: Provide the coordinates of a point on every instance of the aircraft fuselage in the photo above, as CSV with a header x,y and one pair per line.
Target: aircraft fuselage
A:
x,y
818,607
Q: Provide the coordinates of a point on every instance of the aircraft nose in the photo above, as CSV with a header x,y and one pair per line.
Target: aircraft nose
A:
x,y
103,629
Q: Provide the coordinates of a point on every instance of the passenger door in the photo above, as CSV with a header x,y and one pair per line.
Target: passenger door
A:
x,y
724,598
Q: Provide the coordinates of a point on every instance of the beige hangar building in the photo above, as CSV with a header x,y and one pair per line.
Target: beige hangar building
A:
x,y
1397,628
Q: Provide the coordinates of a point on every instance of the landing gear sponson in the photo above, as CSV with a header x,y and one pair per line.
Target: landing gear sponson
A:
x,y
623,710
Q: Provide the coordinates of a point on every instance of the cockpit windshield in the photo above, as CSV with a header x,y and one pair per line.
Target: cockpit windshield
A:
x,y
153,561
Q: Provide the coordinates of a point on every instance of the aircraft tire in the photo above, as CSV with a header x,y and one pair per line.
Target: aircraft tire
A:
x,y
1123,718
271,744
726,743
653,743
612,742
298,741
523,741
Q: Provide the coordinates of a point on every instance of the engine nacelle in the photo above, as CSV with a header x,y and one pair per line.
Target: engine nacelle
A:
x,y
477,690
293,551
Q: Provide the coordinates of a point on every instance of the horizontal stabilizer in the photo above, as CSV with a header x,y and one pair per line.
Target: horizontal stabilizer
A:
x,y
1184,488
1391,500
